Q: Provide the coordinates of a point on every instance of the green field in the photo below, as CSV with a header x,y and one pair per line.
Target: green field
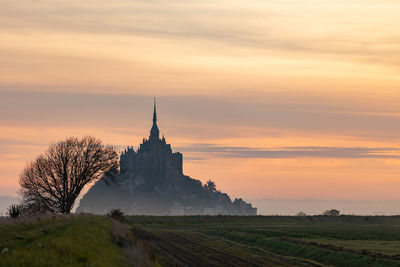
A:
x,y
88,240
59,241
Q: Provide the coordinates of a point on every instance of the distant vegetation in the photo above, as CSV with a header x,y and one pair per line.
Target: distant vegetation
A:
x,y
210,186
117,215
332,212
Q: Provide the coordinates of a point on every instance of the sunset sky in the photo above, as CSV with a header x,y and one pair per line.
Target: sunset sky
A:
x,y
270,99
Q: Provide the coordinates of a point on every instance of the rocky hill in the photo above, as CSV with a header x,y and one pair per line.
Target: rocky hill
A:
x,y
151,182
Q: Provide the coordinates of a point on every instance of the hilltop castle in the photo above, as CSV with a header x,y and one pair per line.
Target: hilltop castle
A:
x,y
151,182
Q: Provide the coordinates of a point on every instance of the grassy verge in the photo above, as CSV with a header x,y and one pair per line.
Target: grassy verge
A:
x,y
60,241
136,251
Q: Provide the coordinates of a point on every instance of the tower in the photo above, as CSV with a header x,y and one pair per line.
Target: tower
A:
x,y
154,132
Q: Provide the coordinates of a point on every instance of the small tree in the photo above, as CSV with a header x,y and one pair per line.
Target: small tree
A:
x,y
210,186
14,211
116,214
55,179
332,212
301,214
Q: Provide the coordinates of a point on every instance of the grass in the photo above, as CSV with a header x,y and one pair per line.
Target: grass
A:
x,y
321,255
285,239
60,241
88,240
384,247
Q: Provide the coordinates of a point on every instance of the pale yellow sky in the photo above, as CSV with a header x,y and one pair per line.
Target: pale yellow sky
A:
x,y
271,99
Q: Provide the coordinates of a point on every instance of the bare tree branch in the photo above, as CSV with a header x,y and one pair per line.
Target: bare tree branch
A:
x,y
55,179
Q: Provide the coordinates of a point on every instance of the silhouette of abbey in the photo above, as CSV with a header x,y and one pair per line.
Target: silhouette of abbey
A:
x,y
151,182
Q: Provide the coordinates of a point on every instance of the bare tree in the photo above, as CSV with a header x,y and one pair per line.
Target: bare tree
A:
x,y
54,180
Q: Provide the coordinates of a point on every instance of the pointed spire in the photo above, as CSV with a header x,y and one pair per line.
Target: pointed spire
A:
x,y
155,112
154,132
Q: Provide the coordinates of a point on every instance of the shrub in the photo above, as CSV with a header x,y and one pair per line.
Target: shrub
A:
x,y
332,212
14,211
116,214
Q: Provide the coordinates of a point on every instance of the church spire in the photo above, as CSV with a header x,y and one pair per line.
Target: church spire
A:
x,y
155,112
154,132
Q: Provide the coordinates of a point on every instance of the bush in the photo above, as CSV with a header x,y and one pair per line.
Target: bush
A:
x,y
301,214
14,211
332,212
116,214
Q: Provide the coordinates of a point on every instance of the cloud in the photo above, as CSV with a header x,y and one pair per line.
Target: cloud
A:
x,y
211,116
257,26
213,150
10,145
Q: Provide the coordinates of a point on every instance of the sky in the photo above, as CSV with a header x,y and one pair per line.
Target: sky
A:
x,y
269,99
